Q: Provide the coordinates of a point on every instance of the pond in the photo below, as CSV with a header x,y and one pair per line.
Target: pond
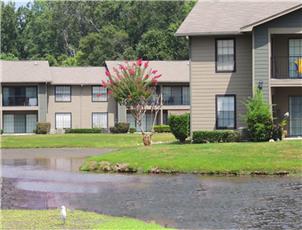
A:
x,y
44,181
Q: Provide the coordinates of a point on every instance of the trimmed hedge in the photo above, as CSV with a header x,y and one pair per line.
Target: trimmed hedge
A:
x,y
215,136
42,128
120,127
93,130
162,128
180,126
132,130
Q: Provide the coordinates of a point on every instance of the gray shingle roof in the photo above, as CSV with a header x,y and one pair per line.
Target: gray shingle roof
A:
x,y
24,71
39,71
77,75
171,71
232,17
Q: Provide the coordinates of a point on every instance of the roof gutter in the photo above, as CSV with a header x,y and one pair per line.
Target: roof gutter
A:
x,y
180,34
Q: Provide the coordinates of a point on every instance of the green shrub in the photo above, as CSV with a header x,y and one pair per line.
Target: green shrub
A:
x,y
120,127
162,128
180,126
132,130
259,118
93,130
215,136
42,128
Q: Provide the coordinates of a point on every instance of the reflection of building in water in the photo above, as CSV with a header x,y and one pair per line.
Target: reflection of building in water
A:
x,y
62,164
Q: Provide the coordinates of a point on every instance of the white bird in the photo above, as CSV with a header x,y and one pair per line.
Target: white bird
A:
x,y
63,214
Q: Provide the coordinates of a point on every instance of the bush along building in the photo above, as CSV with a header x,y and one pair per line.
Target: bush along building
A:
x,y
237,47
73,98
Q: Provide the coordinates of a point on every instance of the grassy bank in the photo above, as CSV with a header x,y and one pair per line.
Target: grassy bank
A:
x,y
49,219
239,158
79,140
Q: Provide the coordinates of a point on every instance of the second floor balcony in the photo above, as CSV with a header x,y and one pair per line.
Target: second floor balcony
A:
x,y
19,96
286,67
176,95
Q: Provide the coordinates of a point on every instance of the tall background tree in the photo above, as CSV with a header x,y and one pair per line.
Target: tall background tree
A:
x,y
90,32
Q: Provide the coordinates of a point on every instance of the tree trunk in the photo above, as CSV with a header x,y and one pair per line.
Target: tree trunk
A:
x,y
147,139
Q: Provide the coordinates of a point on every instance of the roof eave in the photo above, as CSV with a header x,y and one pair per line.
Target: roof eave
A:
x,y
181,34
250,27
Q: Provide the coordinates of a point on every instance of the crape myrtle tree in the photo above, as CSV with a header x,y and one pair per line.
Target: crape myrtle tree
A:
x,y
133,85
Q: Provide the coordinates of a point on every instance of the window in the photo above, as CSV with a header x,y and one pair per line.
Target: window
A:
x,y
225,55
20,96
63,120
99,93
19,122
226,112
176,95
146,122
295,55
63,93
100,120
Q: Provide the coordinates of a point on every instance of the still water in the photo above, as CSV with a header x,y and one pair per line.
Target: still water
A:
x,y
43,181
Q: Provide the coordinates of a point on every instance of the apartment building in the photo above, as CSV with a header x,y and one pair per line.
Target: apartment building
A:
x,y
237,47
72,97
173,87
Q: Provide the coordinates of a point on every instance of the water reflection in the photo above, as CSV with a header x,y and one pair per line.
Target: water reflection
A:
x,y
181,201
60,164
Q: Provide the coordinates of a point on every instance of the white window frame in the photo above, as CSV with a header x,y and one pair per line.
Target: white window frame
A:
x,y
63,96
95,97
100,125
64,126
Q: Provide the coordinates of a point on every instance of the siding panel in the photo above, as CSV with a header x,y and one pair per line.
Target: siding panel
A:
x,y
205,83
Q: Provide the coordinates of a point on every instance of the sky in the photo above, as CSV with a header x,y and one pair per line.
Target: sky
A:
x,y
18,3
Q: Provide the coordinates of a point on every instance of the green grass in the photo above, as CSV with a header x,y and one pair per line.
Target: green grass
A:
x,y
242,158
79,140
50,219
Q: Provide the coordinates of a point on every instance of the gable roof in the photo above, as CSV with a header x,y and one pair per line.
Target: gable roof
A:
x,y
171,71
233,17
24,71
77,75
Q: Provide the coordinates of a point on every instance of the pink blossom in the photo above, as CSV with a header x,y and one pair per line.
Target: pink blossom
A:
x,y
104,84
139,62
158,76
154,71
154,81
109,92
131,72
146,77
107,73
146,64
122,67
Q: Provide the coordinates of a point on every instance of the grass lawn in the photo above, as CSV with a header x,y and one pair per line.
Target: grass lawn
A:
x,y
50,219
241,158
79,140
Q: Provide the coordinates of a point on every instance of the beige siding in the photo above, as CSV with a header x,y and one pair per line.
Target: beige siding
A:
x,y
81,107
205,83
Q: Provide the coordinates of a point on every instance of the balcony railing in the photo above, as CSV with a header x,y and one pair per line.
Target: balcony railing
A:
x,y
286,67
175,101
20,101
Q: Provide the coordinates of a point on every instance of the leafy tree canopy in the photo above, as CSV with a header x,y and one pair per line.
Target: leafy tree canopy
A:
x,y
90,32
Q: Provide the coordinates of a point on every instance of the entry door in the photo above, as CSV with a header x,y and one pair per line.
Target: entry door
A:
x,y
31,122
20,123
295,114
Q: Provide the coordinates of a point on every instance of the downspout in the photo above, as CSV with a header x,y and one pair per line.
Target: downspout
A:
x,y
81,92
190,66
